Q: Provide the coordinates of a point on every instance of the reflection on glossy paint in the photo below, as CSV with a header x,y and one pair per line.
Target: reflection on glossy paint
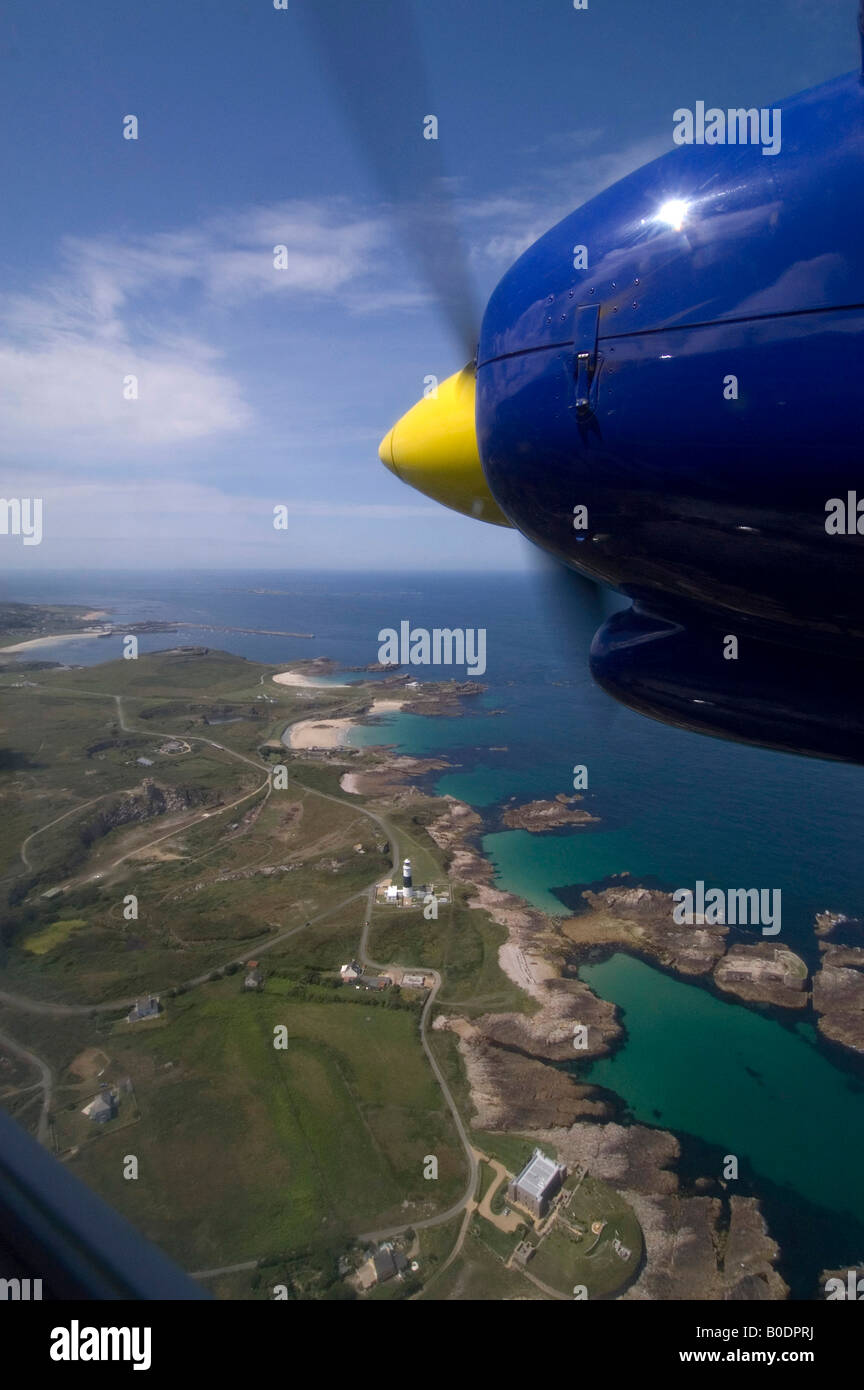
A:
x,y
673,213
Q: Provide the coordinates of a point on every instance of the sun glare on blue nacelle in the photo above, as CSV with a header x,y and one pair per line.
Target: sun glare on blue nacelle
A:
x,y
673,213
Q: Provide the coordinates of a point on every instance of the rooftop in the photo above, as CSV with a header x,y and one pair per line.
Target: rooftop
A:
x,y
537,1174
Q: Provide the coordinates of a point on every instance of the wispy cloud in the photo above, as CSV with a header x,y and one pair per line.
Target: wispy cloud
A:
x,y
120,309
161,307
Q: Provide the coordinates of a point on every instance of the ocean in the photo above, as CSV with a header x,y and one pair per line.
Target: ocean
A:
x,y
674,808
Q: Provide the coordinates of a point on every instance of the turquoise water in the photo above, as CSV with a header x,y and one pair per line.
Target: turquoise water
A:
x,y
527,864
736,1079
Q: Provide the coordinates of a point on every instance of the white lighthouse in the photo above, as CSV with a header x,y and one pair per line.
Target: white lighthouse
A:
x,y
407,888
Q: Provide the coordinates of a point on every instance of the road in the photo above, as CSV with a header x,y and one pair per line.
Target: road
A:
x,y
471,1158
46,1082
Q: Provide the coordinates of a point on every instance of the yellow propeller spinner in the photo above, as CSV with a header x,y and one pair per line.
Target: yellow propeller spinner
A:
x,y
433,448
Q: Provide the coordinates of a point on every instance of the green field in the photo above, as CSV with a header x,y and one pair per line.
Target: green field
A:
x,y
564,1260
463,944
245,1149
210,877
478,1274
38,943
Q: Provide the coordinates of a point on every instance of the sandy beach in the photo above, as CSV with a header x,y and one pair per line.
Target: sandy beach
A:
x,y
318,733
33,642
331,733
528,972
295,678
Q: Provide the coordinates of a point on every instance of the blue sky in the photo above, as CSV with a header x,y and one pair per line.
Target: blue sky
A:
x,y
260,387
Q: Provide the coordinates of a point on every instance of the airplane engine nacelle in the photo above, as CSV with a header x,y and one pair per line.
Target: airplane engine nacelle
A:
x,y
682,358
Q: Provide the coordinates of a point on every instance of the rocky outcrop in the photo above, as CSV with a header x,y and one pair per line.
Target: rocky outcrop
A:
x,y
765,973
571,1023
838,996
145,801
630,1157
452,832
441,701
692,1253
538,816
513,1092
391,780
641,918
695,1246
838,984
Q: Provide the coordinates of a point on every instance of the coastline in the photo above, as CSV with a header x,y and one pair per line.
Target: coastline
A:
x,y
517,1085
297,678
327,734
513,1088
503,1064
34,642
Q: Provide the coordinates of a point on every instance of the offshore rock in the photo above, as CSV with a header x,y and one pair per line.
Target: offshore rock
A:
x,y
765,973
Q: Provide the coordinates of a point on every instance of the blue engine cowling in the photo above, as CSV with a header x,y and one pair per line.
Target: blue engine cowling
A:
x,y
694,497
697,389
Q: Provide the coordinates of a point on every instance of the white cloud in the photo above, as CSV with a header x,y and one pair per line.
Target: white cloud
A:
x,y
69,393
113,310
162,307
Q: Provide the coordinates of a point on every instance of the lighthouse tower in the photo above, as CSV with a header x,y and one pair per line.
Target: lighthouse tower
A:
x,y
407,889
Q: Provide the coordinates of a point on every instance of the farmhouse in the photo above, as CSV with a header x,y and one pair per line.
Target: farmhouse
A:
x,y
383,1265
147,1007
254,979
102,1108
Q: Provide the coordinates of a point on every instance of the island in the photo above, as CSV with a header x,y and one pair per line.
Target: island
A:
x,y
764,973
537,816
187,880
